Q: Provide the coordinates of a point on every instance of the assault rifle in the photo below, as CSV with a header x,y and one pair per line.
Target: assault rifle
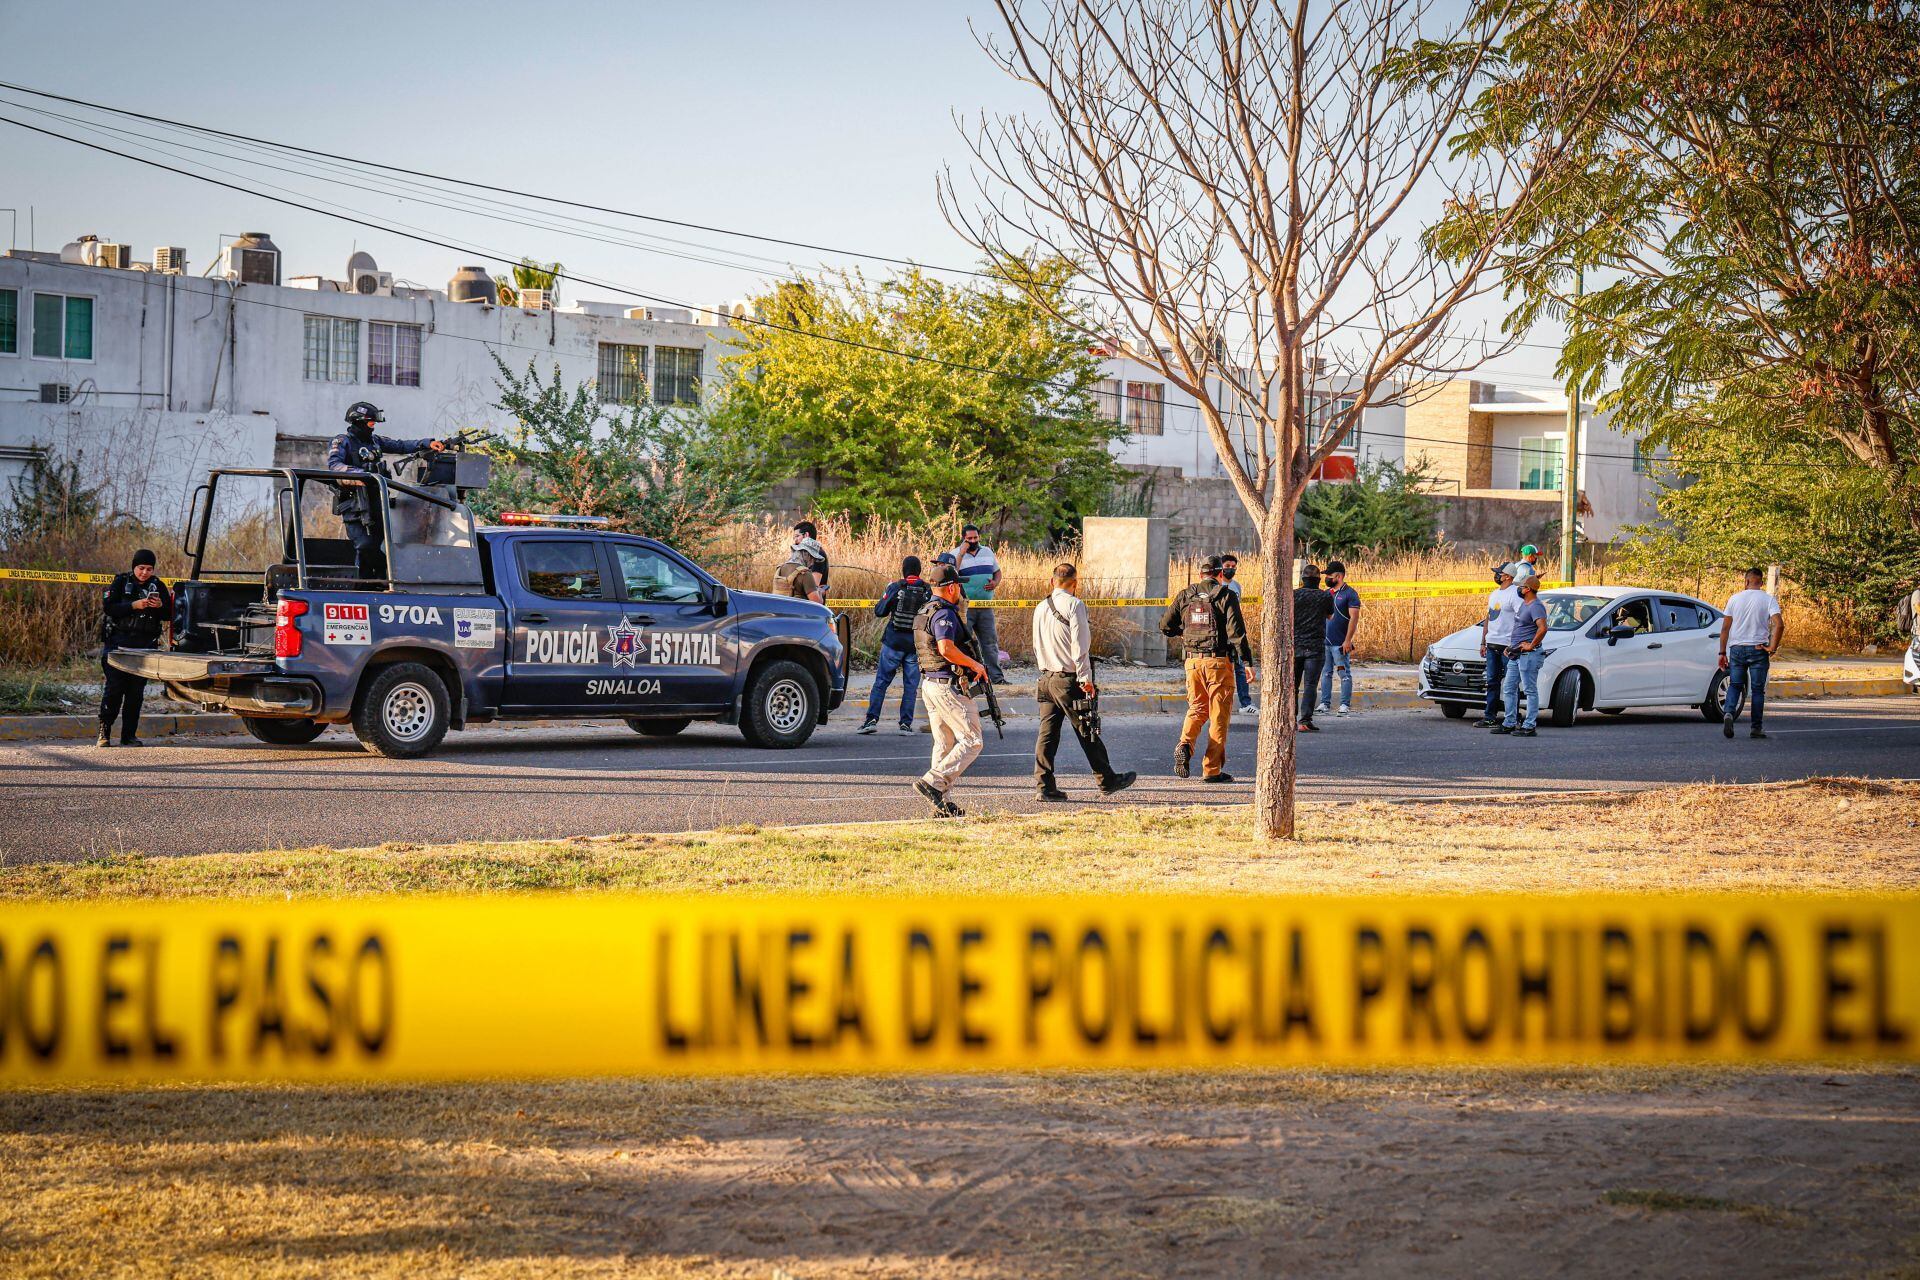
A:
x,y
972,684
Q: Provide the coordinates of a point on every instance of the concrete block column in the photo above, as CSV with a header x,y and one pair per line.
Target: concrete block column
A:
x,y
1126,557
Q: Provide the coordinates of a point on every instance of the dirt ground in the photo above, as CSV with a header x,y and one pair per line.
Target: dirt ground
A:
x,y
1636,1173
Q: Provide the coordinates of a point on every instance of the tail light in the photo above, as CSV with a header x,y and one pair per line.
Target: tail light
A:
x,y
286,628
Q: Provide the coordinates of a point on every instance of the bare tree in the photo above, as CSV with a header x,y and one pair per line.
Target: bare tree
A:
x,y
1246,183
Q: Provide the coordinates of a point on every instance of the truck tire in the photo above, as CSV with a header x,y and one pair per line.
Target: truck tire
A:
x,y
1714,709
781,706
1453,710
1566,699
283,733
658,728
402,711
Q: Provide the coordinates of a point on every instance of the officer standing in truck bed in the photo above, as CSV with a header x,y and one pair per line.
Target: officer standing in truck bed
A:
x,y
359,449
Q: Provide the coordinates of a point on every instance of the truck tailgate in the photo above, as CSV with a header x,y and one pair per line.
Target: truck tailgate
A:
x,y
187,668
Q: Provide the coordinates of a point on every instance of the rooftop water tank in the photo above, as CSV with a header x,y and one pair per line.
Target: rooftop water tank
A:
x,y
473,284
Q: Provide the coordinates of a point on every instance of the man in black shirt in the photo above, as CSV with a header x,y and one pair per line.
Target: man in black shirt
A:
x,y
134,609
1206,619
1312,606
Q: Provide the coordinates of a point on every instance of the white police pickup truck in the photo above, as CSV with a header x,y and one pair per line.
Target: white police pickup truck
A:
x,y
1608,648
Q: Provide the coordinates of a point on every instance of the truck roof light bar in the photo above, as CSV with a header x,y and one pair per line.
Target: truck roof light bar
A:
x,y
571,521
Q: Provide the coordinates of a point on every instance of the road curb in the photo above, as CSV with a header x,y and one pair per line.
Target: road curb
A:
x,y
83,728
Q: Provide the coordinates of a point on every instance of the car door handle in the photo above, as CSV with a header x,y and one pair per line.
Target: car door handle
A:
x,y
533,617
1653,646
640,619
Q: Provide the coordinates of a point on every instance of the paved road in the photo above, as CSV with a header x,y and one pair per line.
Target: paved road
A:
x,y
67,799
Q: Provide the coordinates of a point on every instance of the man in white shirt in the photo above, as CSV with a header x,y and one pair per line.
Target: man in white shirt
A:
x,y
1496,634
979,578
1063,650
1749,637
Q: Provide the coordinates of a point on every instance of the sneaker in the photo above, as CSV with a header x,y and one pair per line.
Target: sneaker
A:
x,y
1502,728
906,726
948,809
1118,782
1726,727
1050,793
1182,758
932,797
1757,733
1345,710
132,742
103,740
1248,709
1484,723
1525,733
1322,707
1219,777
868,726
1309,726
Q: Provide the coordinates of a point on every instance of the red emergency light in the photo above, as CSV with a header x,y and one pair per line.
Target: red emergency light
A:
x,y
532,517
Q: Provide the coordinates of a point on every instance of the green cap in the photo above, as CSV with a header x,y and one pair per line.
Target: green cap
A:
x,y
1529,550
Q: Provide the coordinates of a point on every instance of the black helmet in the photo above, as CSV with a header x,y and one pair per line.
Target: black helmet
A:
x,y
362,414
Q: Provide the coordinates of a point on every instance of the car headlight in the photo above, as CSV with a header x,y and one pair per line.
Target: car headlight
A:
x,y
1426,661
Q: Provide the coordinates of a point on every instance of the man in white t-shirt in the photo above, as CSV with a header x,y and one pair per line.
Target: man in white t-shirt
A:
x,y
1749,637
979,577
1496,634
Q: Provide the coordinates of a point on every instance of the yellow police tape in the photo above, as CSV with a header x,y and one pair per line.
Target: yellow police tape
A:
x,y
50,575
568,985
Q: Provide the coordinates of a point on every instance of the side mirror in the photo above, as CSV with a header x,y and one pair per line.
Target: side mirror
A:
x,y
1616,634
718,600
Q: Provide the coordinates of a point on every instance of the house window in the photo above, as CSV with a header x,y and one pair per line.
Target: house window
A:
x,y
1106,399
676,375
62,327
393,354
1540,463
1146,408
9,322
332,349
623,374
1324,412
1642,460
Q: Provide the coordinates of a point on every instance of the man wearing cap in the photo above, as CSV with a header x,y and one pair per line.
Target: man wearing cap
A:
x,y
939,637
979,578
133,611
1496,633
1528,565
1206,619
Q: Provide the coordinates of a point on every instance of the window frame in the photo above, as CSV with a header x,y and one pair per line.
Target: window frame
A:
x,y
1110,400
523,545
700,579
394,365
645,385
1322,408
663,385
1136,399
333,363
93,326
15,293
1558,451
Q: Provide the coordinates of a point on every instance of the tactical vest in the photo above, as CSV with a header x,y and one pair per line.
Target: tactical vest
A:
x,y
794,578
907,603
928,649
1202,626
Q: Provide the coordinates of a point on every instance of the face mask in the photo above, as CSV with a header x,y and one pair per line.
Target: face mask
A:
x,y
1229,571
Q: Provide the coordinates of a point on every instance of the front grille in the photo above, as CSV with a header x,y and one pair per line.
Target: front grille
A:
x,y
1458,676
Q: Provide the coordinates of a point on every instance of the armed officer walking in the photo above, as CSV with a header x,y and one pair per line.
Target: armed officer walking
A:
x,y
1206,618
359,449
1063,650
940,636
134,609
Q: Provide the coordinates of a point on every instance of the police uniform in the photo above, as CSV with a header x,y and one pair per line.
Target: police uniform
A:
x,y
955,721
1206,616
354,451
125,627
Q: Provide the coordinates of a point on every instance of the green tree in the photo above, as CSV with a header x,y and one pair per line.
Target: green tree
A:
x,y
49,497
1745,208
530,274
676,474
1000,417
1384,509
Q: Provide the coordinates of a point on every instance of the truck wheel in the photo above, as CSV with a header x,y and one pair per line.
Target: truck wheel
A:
x,y
402,711
658,728
1714,710
283,733
1566,699
1453,710
781,706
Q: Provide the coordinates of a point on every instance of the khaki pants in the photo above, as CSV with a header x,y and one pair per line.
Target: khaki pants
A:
x,y
1209,703
955,722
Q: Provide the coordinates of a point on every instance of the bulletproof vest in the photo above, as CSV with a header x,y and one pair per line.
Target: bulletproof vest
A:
x,y
1201,627
140,630
794,578
907,603
351,500
928,649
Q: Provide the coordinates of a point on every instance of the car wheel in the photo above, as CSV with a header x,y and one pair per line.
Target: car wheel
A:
x,y
283,733
1453,710
658,728
1713,711
402,711
1566,699
781,707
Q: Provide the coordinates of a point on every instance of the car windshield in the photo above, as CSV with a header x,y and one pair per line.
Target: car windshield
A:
x,y
1564,613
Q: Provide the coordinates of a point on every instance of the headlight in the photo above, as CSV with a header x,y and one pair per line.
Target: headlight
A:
x,y
1426,661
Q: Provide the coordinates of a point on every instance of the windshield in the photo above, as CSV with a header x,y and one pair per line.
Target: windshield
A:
x,y
1564,613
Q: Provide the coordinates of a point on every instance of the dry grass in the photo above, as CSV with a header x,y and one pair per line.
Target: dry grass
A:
x,y
1821,834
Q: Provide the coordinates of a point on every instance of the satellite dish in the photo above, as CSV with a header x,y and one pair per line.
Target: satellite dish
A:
x,y
361,261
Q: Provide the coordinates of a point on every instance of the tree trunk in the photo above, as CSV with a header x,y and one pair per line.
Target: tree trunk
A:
x,y
1273,779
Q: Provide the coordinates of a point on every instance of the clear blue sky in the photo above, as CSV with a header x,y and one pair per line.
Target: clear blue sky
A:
x,y
825,122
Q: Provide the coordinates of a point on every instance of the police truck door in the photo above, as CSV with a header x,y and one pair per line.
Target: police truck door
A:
x,y
564,618
683,654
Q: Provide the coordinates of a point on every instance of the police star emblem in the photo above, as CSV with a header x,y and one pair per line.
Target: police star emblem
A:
x,y
624,643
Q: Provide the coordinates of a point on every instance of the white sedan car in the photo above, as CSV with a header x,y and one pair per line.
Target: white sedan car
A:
x,y
1608,648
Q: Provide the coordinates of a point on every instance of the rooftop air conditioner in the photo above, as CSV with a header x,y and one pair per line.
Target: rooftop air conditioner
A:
x,y
170,259
251,266
118,256
373,284
536,300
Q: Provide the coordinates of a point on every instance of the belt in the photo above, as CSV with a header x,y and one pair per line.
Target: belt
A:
x,y
1070,675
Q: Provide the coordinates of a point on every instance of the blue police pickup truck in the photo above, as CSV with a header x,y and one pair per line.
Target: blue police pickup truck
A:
x,y
533,620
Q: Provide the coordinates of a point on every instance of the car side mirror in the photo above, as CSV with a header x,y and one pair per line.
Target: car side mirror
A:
x,y
718,599
1616,634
